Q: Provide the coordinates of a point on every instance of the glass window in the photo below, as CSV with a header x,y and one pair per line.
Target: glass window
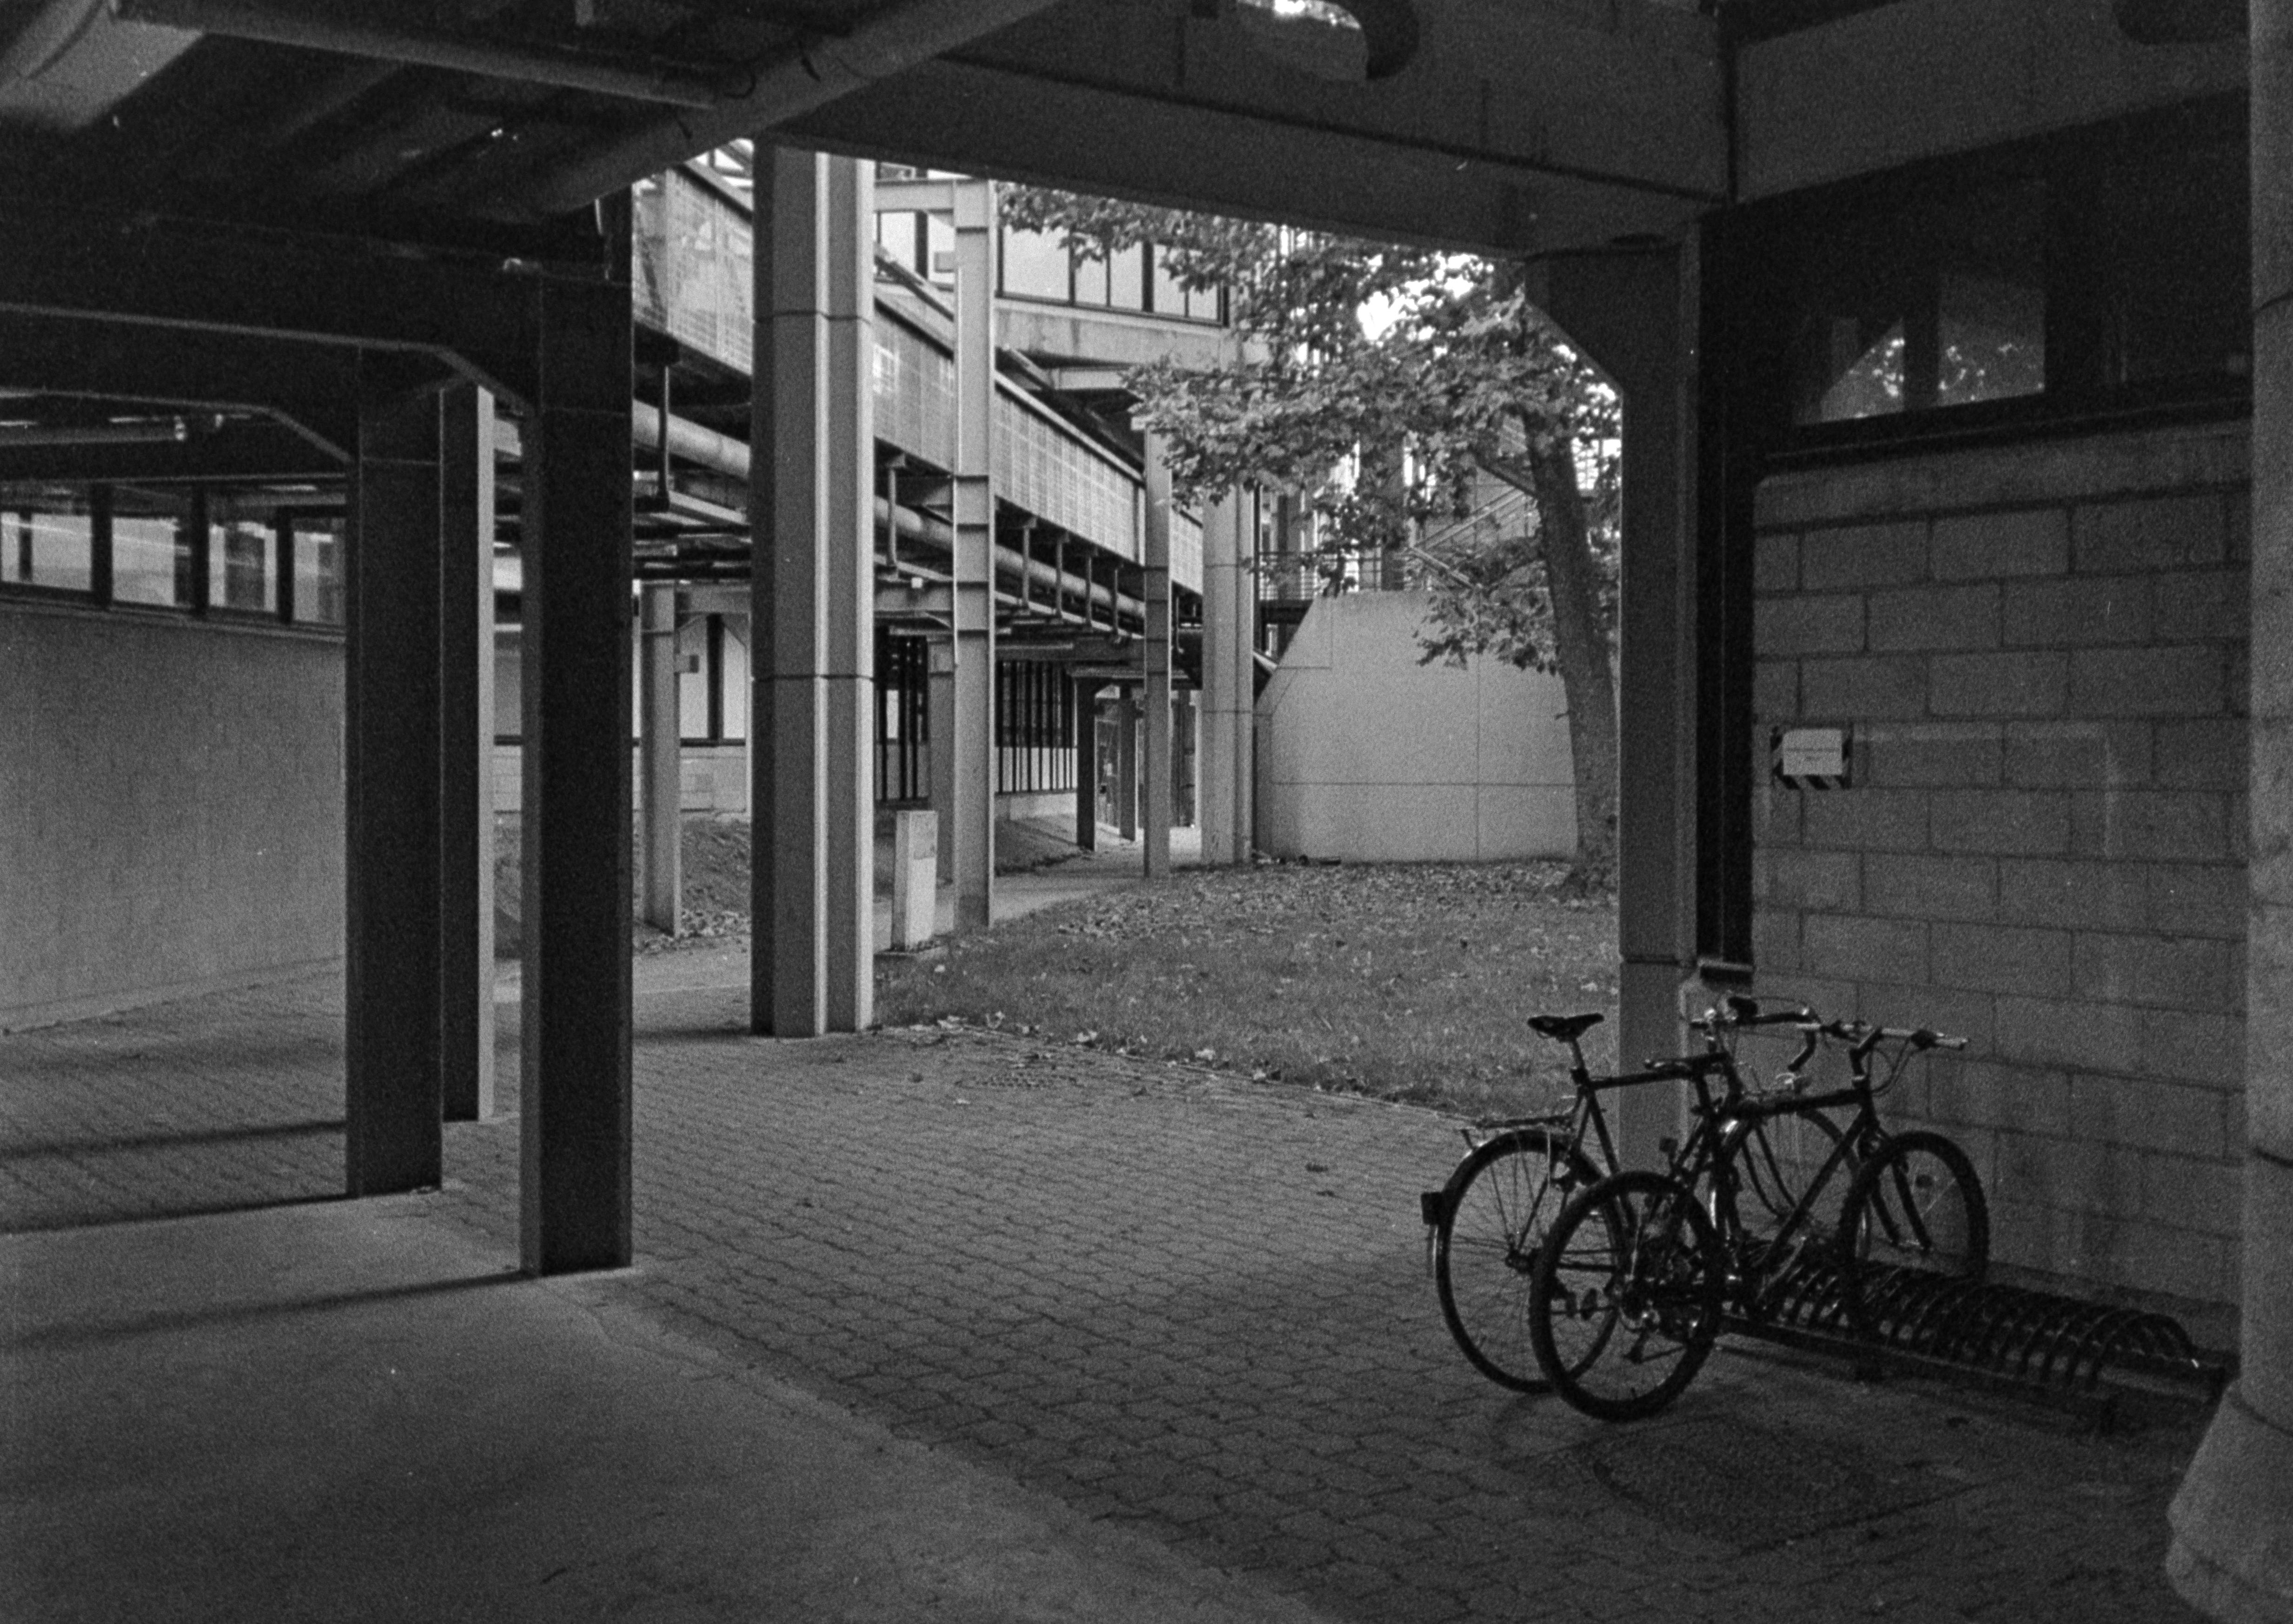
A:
x,y
319,570
46,549
1168,298
1127,280
1091,280
939,250
239,548
2166,266
1034,265
145,548
1908,304
1202,305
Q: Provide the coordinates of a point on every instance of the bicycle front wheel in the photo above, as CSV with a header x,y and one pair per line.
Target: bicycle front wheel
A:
x,y
1496,1213
1915,1214
1625,1299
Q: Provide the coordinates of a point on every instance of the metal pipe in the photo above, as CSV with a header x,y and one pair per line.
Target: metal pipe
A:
x,y
676,84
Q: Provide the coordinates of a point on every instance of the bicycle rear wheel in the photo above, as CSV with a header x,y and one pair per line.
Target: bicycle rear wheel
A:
x,y
1626,1301
1496,1213
1915,1216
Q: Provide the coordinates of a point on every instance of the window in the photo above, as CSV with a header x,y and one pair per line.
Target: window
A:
x,y
46,548
318,569
1035,266
145,551
2099,272
1910,309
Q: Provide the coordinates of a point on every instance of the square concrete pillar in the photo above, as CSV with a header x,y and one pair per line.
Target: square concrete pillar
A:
x,y
392,751
915,879
1154,655
1085,696
1633,313
970,742
811,505
465,774
660,754
574,1103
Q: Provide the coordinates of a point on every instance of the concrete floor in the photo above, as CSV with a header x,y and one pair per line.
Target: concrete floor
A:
x,y
924,1325
352,1411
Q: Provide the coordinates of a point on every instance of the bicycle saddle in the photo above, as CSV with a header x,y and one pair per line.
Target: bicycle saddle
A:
x,y
1564,1028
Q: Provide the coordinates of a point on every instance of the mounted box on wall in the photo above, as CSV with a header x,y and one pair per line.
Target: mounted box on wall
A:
x,y
1813,757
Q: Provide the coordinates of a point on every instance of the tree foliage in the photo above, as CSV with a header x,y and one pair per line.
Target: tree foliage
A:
x,y
1388,386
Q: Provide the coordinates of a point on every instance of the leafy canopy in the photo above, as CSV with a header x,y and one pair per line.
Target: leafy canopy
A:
x,y
1384,384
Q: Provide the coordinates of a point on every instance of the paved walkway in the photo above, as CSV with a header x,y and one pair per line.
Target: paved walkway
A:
x,y
924,1324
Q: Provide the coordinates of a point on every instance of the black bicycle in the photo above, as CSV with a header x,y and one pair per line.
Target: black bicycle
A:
x,y
1488,1221
1638,1272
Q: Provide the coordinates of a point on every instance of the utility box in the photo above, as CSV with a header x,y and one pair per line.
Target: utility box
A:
x,y
915,877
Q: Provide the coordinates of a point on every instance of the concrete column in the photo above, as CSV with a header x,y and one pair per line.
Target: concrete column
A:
x,y
574,1102
465,774
1633,313
848,558
787,497
971,802
392,750
2233,1551
1155,652
1183,736
939,720
1126,763
660,737
1229,612
1086,753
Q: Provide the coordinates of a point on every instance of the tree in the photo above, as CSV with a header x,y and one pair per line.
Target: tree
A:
x,y
1379,382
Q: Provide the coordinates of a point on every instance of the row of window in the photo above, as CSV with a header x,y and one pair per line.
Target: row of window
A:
x,y
2070,275
199,551
1038,265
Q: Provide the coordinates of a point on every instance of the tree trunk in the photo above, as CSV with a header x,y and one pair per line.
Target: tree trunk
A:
x,y
1581,649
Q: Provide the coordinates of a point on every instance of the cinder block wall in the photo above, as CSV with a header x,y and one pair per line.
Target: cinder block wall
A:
x,y
171,808
2042,651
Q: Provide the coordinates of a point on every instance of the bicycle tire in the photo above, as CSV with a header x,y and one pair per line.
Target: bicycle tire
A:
x,y
1626,1296
1495,1211
1915,1211
1776,1158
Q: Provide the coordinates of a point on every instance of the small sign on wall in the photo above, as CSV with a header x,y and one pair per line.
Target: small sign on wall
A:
x,y
1813,757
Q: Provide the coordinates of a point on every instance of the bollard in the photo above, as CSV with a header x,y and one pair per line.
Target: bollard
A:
x,y
915,877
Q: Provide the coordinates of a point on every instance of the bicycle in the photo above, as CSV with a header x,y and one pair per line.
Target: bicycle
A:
x,y
1638,1270
1486,1223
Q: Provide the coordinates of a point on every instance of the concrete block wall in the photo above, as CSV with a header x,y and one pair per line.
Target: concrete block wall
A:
x,y
171,808
2042,653
1365,753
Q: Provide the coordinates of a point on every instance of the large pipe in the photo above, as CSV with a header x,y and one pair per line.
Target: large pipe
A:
x,y
675,84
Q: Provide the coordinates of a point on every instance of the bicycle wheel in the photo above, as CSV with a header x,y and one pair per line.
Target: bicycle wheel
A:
x,y
1626,1300
1777,1160
1495,1211
1915,1214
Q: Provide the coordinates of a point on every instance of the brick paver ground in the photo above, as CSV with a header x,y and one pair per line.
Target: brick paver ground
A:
x,y
1168,1297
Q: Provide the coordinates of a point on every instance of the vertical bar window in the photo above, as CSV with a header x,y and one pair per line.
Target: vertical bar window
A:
x,y
1126,274
240,550
319,570
143,553
50,545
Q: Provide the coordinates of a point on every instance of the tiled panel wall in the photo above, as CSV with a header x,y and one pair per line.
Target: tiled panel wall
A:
x,y
2041,652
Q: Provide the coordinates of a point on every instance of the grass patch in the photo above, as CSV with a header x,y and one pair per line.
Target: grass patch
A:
x,y
1407,982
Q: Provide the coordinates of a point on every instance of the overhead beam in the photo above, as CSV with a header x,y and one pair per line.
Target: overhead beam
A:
x,y
1514,126
781,88
309,387
469,313
239,452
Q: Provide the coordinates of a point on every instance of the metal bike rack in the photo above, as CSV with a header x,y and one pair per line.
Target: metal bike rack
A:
x,y
2010,1334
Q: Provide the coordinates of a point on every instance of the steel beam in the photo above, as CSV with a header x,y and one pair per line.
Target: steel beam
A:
x,y
971,746
1154,655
